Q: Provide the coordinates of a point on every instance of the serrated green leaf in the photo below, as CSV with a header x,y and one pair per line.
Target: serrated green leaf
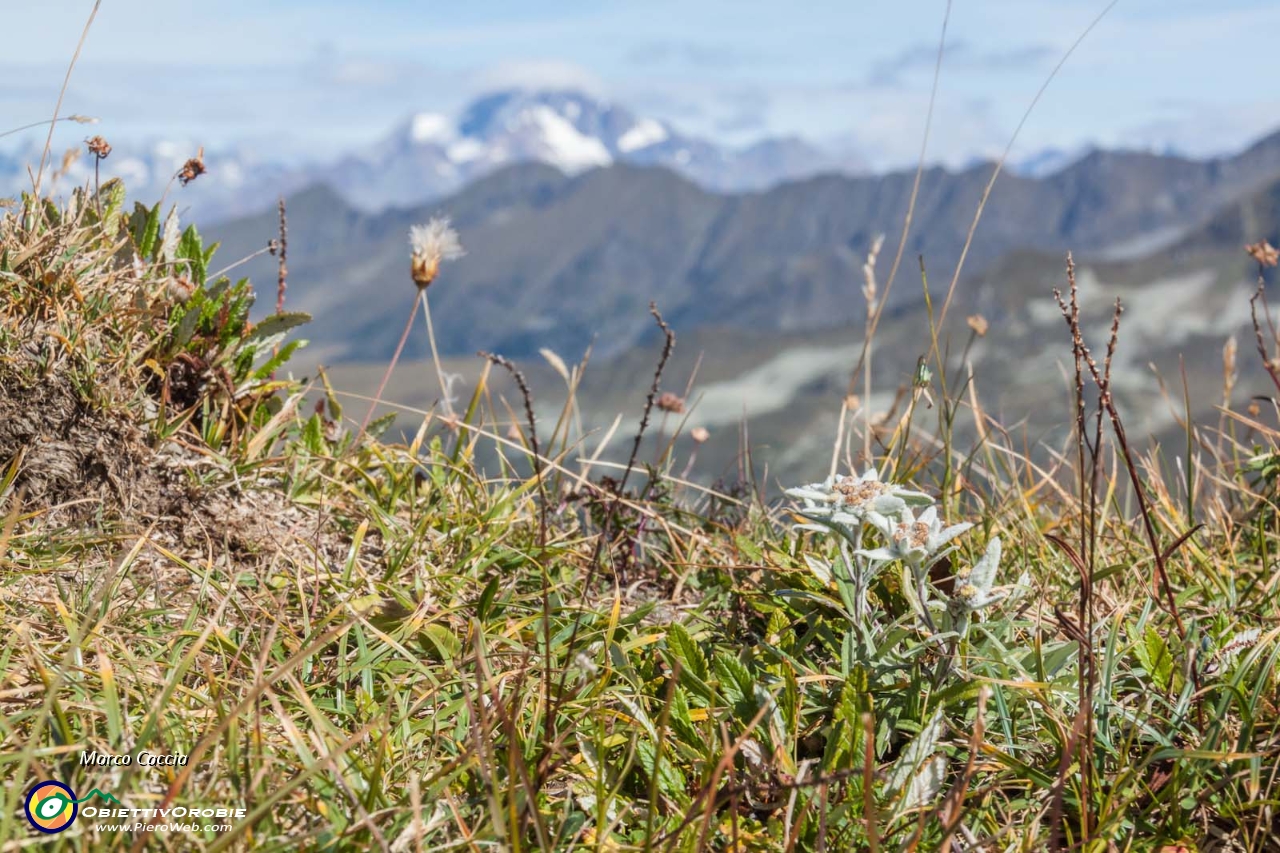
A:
x,y
52,215
381,425
278,324
215,290
272,364
191,251
671,780
681,720
735,681
687,651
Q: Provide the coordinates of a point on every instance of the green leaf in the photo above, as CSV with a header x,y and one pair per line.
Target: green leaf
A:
x,y
51,213
313,436
208,253
749,549
191,251
682,721
111,202
381,425
278,324
270,365
671,781
1153,653
687,651
735,681
790,701
215,290
186,327
486,599
445,641
144,224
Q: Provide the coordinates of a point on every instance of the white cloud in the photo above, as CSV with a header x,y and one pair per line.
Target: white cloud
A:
x,y
317,75
536,74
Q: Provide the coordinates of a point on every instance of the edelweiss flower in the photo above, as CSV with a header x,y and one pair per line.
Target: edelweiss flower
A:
x,y
432,243
853,497
973,586
914,541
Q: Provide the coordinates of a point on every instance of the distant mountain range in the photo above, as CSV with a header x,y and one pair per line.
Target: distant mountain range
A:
x,y
560,260
430,155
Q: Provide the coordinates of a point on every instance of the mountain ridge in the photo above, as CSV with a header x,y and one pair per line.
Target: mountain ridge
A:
x,y
563,260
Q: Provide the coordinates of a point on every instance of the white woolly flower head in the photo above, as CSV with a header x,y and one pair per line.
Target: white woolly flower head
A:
x,y
916,541
851,498
431,244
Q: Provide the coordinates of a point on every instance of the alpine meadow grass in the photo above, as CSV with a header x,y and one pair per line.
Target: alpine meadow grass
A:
x,y
379,644
487,628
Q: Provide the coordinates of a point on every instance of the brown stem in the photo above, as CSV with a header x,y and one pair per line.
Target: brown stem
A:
x,y
382,386
283,271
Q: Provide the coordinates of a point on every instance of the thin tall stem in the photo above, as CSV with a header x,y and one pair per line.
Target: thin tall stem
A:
x,y
435,357
382,386
48,143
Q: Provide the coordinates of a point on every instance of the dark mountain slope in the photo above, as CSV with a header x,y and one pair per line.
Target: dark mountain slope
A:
x,y
556,260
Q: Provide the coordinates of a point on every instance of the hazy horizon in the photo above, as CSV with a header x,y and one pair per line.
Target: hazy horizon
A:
x,y
313,81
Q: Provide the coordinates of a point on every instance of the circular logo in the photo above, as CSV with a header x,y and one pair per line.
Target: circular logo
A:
x,y
51,807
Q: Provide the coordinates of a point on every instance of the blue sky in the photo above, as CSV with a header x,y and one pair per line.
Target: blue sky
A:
x,y
319,76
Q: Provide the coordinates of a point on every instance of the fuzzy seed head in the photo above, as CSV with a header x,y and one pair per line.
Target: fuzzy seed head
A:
x,y
192,169
670,403
431,244
1264,253
99,147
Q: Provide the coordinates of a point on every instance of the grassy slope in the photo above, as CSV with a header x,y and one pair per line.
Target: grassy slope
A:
x,y
382,646
1180,313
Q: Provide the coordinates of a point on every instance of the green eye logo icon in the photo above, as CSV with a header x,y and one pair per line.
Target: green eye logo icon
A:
x,y
51,807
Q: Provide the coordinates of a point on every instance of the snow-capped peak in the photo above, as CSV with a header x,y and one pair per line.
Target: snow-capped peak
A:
x,y
431,128
642,134
562,144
